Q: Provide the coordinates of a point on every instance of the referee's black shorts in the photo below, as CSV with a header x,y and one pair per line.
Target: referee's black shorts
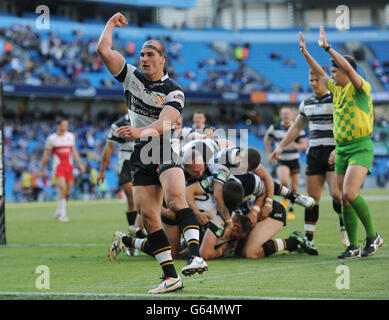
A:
x,y
317,160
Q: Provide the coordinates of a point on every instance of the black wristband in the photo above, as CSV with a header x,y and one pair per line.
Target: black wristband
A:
x,y
327,48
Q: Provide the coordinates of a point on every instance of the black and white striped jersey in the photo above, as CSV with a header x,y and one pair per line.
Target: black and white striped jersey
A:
x,y
207,147
319,112
277,132
252,184
227,162
146,99
126,146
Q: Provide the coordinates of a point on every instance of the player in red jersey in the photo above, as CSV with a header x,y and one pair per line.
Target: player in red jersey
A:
x,y
62,144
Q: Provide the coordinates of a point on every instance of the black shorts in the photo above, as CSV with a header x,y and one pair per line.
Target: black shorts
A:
x,y
125,173
293,165
148,174
317,160
278,212
170,222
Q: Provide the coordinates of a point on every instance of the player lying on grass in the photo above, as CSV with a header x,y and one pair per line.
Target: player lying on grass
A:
x,y
240,225
236,194
232,159
353,124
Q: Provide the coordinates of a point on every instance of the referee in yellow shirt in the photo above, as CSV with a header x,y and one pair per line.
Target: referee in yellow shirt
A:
x,y
353,125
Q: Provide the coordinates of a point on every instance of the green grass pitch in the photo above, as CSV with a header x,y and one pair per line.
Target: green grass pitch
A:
x,y
76,255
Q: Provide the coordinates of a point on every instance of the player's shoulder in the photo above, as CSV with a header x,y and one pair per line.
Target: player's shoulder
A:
x,y
123,121
173,85
278,125
69,134
52,136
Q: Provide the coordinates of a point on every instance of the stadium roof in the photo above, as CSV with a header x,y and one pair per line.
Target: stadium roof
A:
x,y
181,4
316,4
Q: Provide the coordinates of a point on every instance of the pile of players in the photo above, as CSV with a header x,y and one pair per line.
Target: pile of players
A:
x,y
229,190
238,189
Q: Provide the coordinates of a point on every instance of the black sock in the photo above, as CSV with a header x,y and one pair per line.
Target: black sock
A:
x,y
338,209
273,246
189,227
141,233
311,218
130,243
131,217
160,246
291,244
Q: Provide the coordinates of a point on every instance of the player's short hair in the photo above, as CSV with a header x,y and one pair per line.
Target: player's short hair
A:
x,y
58,120
192,156
253,158
323,67
199,112
245,223
161,50
233,194
349,59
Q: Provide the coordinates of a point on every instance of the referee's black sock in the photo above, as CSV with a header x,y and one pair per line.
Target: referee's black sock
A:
x,y
189,226
131,217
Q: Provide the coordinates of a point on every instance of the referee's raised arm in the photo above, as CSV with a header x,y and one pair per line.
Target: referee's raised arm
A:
x,y
316,68
112,59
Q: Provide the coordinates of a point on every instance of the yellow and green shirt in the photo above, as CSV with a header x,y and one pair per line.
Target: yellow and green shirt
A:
x,y
353,111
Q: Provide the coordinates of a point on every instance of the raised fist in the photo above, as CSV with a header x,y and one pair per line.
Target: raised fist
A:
x,y
118,20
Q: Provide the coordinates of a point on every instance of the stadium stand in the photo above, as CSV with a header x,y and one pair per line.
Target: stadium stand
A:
x,y
66,56
381,62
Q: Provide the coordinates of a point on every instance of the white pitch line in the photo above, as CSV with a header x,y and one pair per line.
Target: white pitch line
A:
x,y
54,245
142,295
24,205
227,275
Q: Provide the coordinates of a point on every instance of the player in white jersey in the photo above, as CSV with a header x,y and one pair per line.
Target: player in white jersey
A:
x,y
126,147
317,112
155,102
288,166
62,145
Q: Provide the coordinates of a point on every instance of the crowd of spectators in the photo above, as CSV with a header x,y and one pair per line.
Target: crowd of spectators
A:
x,y
25,134
48,58
24,141
381,69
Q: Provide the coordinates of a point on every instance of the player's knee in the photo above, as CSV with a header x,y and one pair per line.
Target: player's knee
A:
x,y
251,253
150,221
175,202
348,196
336,197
